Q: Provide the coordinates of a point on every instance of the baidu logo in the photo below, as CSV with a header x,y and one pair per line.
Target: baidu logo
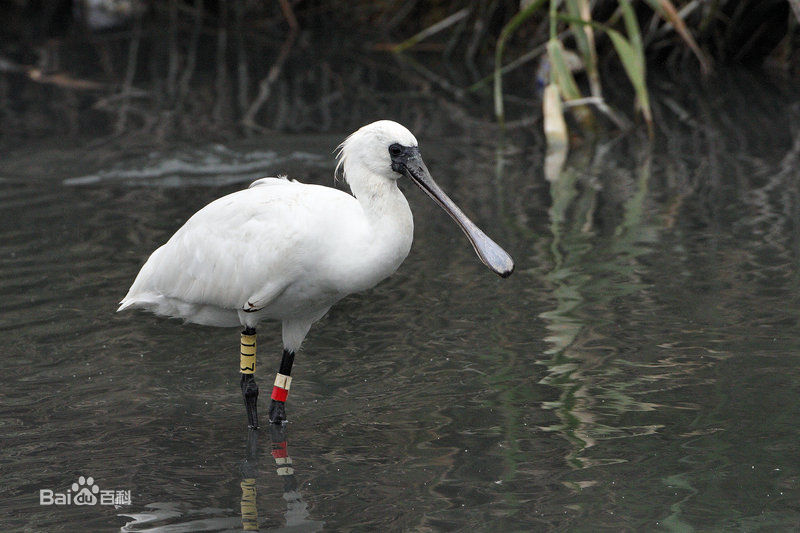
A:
x,y
85,492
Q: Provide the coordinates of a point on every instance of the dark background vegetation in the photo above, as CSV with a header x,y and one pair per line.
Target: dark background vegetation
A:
x,y
153,71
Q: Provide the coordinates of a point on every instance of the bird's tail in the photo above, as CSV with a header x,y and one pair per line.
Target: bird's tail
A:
x,y
125,303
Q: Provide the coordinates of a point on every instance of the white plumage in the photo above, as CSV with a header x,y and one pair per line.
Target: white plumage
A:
x,y
288,251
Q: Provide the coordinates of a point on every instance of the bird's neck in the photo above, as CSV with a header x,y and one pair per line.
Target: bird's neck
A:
x,y
390,226
380,198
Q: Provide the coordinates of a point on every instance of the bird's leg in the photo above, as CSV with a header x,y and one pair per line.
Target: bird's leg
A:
x,y
247,367
277,406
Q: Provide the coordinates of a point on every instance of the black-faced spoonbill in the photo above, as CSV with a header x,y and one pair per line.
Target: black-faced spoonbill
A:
x,y
288,251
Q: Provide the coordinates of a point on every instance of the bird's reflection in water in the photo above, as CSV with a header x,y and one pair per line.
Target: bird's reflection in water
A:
x,y
297,516
168,516
249,475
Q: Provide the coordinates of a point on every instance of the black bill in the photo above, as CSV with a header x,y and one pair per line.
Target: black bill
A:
x,y
488,251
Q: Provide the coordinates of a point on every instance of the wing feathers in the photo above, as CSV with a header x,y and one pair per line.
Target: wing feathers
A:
x,y
251,244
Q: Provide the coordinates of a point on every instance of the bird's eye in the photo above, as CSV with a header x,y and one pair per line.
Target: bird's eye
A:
x,y
395,150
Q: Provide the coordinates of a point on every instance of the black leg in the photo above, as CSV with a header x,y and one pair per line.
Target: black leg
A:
x,y
277,406
247,366
250,394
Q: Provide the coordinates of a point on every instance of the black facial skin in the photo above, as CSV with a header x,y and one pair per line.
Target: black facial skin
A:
x,y
401,155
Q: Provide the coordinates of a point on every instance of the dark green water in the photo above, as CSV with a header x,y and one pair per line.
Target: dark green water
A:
x,y
639,371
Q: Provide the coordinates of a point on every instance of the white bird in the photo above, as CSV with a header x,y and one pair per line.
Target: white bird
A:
x,y
288,251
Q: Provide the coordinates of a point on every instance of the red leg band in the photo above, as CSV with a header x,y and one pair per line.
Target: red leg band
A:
x,y
280,450
279,394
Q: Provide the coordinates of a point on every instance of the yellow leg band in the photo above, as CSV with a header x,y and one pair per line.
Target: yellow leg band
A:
x,y
249,509
247,350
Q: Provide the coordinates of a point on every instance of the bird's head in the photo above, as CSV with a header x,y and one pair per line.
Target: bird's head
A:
x,y
376,150
380,153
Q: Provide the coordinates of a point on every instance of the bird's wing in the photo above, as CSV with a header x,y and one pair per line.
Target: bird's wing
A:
x,y
250,244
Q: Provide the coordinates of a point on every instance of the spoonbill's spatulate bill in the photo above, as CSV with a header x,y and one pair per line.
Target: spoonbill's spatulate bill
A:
x,y
288,251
